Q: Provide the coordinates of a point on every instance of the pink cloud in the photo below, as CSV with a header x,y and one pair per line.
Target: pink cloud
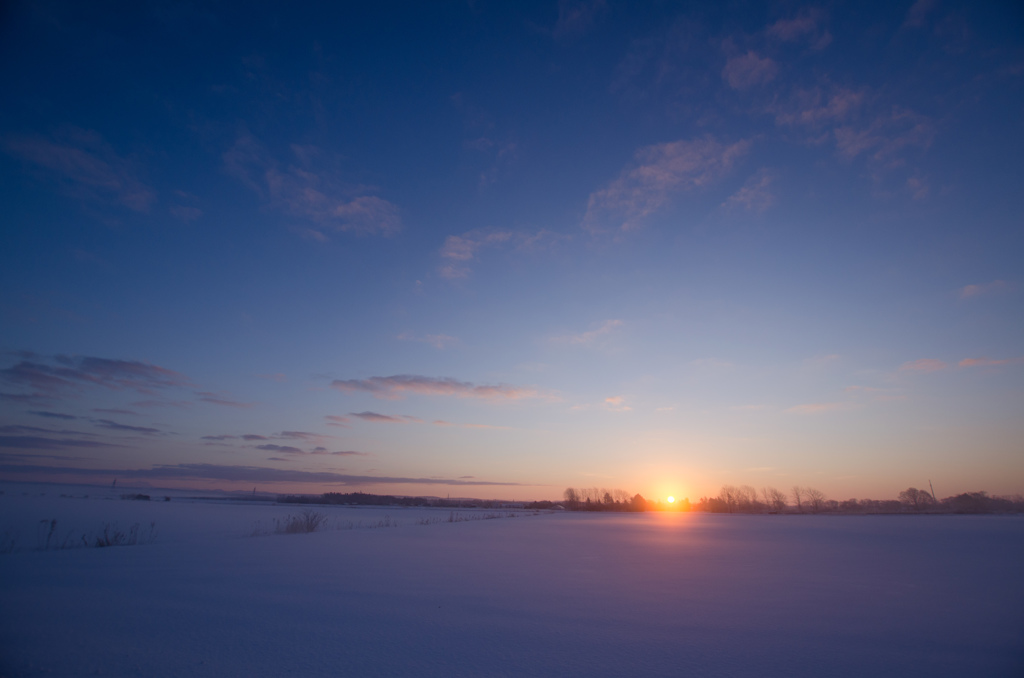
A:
x,y
987,362
86,166
307,190
755,195
658,173
814,107
747,70
805,24
924,365
459,250
969,291
335,420
590,336
887,136
397,386
377,418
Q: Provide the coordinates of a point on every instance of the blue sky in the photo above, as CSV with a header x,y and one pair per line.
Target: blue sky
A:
x,y
498,249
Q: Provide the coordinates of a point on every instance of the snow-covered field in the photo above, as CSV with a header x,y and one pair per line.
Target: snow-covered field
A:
x,y
536,595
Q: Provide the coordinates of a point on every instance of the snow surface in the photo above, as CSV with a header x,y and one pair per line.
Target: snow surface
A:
x,y
556,594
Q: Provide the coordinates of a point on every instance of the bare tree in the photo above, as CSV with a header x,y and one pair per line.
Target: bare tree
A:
x,y
798,498
916,499
748,500
776,500
728,496
572,496
816,498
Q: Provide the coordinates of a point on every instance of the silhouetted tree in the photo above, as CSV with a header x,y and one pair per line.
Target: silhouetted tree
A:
x,y
776,500
815,498
916,500
798,498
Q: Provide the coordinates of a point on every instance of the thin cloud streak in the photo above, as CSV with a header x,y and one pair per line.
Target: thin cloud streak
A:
x,y
589,337
924,365
397,386
85,166
259,474
977,290
377,418
70,372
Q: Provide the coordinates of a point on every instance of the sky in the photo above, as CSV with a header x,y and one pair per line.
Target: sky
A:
x,y
497,249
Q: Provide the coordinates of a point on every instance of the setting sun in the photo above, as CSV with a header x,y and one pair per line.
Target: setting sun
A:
x,y
671,499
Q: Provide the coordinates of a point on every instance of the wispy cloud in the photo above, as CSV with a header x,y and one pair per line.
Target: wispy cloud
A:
x,y
656,174
755,195
303,189
337,420
115,426
924,365
301,435
988,362
185,212
617,404
610,404
221,399
378,418
983,289
397,386
52,415
45,443
815,107
63,372
589,336
85,167
808,24
576,17
438,341
459,250
747,70
257,474
917,13
886,137
284,449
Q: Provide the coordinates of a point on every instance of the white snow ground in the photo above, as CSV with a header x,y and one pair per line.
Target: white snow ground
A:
x,y
544,595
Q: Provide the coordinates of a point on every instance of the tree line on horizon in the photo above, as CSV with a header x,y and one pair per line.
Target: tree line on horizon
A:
x,y
747,499
731,499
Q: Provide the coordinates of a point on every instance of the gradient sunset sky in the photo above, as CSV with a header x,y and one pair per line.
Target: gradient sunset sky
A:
x,y
497,249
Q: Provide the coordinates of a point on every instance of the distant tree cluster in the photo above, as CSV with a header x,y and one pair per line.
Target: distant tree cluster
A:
x,y
746,499
595,499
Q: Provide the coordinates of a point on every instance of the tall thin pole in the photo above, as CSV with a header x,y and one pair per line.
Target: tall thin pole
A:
x,y
933,490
